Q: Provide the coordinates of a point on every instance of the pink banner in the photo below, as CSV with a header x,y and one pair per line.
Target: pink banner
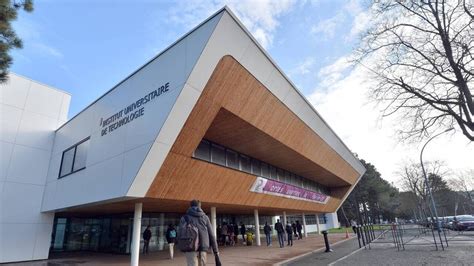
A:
x,y
272,187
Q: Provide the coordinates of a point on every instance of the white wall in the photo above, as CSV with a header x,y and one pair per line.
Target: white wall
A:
x,y
114,159
30,112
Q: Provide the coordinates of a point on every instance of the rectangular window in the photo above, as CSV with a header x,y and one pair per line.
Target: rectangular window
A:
x,y
218,154
232,159
265,170
74,158
245,164
273,172
256,170
203,151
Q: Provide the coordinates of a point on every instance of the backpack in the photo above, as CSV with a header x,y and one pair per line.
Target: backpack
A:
x,y
188,236
172,234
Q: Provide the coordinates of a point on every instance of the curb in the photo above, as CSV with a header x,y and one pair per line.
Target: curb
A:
x,y
310,252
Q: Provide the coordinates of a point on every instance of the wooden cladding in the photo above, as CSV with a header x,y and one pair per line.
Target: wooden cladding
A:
x,y
235,110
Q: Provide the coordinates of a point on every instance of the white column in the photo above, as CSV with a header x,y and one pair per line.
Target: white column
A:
x,y
257,227
161,237
317,224
304,226
137,226
214,221
284,226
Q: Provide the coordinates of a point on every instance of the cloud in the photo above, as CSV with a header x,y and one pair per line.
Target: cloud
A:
x,y
304,67
345,106
260,17
31,34
328,27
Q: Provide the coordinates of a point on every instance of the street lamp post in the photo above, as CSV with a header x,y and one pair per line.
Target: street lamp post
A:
x,y
433,204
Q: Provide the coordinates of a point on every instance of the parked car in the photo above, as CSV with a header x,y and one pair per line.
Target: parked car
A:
x,y
463,223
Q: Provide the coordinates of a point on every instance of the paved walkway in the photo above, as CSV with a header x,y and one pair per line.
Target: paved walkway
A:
x,y
237,255
322,258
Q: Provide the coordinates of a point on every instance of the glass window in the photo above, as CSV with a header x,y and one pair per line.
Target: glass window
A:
x,y
232,159
66,163
218,154
256,170
81,155
245,163
203,151
265,170
273,172
281,175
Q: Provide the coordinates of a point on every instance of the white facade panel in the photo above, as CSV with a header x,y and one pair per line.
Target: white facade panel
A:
x,y
6,150
15,91
10,118
28,165
18,242
36,131
30,114
39,95
133,160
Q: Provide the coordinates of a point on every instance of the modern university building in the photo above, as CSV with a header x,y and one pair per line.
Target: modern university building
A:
x,y
211,118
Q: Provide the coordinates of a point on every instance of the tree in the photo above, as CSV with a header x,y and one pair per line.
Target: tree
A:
x,y
421,55
372,198
9,39
463,183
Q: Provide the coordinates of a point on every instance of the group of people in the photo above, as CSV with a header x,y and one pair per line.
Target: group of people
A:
x,y
227,234
171,238
289,229
194,236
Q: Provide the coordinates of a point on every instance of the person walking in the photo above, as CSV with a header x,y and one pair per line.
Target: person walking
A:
x,y
354,226
146,239
293,225
171,239
236,233
268,234
243,230
196,236
289,232
224,233
299,229
280,231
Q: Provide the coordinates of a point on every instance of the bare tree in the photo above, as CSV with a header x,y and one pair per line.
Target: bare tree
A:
x,y
463,182
421,55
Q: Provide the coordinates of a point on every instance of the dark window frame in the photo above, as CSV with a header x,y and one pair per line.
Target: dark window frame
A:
x,y
73,159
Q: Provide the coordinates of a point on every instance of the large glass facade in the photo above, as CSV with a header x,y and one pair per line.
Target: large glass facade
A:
x,y
108,234
215,153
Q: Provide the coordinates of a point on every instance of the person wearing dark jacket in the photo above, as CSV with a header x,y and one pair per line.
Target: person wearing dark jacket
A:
x,y
242,231
268,234
146,239
280,231
289,232
171,239
197,217
299,229
293,225
236,232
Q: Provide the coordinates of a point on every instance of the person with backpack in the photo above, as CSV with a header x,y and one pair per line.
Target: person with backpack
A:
x,y
299,229
146,239
195,236
268,234
171,239
289,232
280,231
293,225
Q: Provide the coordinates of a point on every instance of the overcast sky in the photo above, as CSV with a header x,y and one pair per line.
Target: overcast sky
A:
x,y
86,47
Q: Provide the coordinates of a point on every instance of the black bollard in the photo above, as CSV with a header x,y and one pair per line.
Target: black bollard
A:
x,y
358,235
326,242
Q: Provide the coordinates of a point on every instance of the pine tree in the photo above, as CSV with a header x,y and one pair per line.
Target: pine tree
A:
x,y
8,38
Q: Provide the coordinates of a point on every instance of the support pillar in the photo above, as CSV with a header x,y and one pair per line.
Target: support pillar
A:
x,y
304,226
214,221
257,227
317,224
137,226
284,225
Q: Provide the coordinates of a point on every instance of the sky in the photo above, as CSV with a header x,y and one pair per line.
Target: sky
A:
x,y
87,47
